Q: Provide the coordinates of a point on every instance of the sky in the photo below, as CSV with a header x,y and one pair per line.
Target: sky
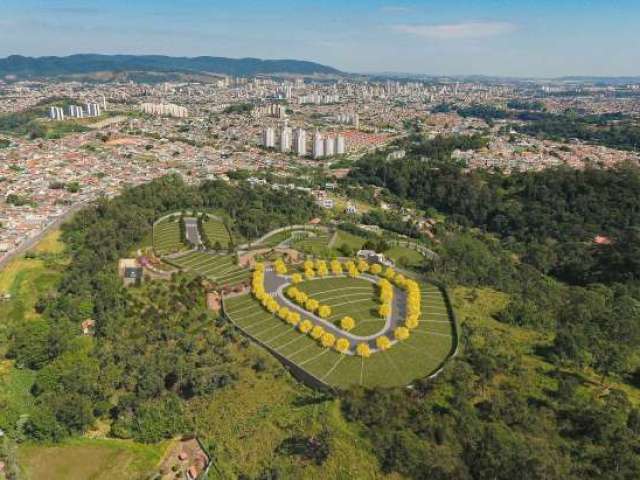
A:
x,y
524,38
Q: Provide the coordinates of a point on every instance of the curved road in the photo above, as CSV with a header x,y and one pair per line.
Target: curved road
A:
x,y
275,285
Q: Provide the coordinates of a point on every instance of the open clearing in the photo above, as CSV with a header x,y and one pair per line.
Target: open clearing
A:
x,y
417,357
221,269
84,459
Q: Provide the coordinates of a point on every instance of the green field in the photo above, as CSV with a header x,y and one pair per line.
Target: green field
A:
x,y
216,232
356,298
94,459
354,242
316,244
278,238
219,268
417,357
404,256
166,236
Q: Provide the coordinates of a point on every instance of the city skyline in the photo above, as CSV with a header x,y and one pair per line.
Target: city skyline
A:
x,y
488,37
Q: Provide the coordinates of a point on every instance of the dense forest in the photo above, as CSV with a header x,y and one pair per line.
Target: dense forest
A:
x,y
563,244
613,130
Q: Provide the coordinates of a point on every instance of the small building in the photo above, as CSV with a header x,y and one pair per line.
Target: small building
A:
x,y
351,209
130,271
88,326
374,257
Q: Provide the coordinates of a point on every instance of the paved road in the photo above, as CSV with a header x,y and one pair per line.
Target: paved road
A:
x,y
191,231
275,285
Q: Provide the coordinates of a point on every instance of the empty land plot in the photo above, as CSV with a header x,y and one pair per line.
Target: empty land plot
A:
x,y
316,244
351,297
277,238
216,231
405,256
420,355
166,237
354,242
219,268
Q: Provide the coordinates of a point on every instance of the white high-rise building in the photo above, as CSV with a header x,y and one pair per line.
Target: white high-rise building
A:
x,y
93,109
318,145
76,111
329,146
162,109
285,139
340,145
269,137
56,113
301,142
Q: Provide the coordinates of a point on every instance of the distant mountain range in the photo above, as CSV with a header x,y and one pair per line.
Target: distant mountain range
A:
x,y
33,67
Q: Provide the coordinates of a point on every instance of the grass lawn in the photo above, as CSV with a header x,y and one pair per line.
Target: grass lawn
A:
x,y
352,241
420,355
315,245
278,238
219,268
216,231
94,459
348,297
166,236
405,257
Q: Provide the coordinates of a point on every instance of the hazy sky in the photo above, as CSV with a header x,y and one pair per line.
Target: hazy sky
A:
x,y
501,37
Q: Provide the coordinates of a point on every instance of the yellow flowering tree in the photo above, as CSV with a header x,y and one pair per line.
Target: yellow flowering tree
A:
x,y
328,340
292,292
324,311
363,350
322,269
283,313
310,274
401,333
301,298
347,324
383,343
312,305
342,345
305,326
308,264
293,318
363,265
317,332
384,310
296,278
376,269
389,273
336,267
280,267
